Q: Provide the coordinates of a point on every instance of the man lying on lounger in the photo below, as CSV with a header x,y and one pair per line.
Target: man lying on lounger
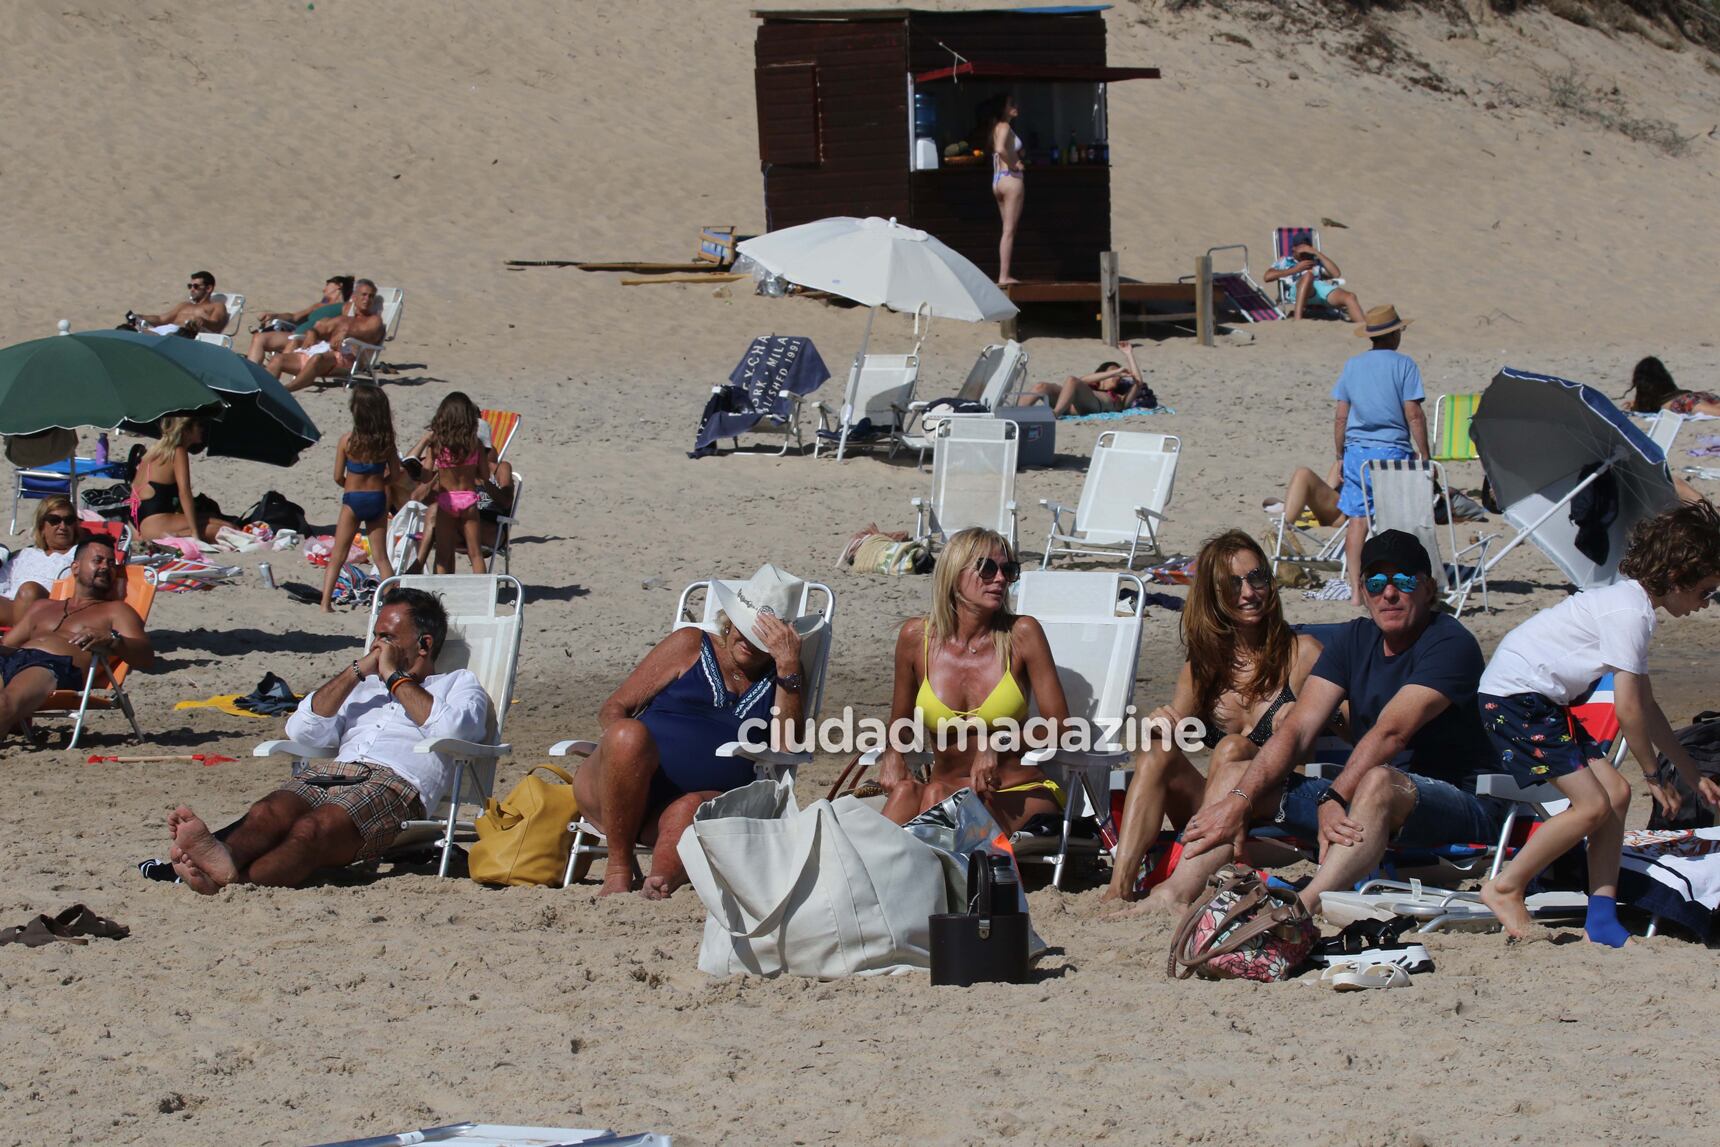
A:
x,y
200,312
371,714
1411,679
276,328
318,354
51,645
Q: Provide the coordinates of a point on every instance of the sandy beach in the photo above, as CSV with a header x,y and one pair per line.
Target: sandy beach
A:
x,y
276,144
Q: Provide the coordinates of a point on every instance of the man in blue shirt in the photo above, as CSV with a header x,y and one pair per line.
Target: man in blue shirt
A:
x,y
1378,416
1410,677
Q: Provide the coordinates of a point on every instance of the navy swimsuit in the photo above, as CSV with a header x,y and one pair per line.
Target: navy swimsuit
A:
x,y
694,717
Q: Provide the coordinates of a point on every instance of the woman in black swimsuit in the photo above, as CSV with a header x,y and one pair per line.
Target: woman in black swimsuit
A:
x,y
1245,666
162,504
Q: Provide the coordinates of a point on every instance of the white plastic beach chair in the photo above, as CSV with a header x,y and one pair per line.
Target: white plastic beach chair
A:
x,y
589,841
1095,653
235,308
366,357
505,524
480,638
879,391
973,479
994,382
405,529
1400,495
1123,499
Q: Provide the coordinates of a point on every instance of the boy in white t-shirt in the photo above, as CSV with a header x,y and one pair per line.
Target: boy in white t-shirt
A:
x,y
1549,662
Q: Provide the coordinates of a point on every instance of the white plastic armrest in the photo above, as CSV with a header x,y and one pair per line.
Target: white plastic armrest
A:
x,y
917,502
294,749
573,748
913,406
1147,515
455,747
361,345
764,756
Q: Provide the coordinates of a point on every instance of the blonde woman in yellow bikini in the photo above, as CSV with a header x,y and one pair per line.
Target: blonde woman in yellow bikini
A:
x,y
971,659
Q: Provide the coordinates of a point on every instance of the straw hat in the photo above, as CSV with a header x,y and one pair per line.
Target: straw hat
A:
x,y
769,591
1381,321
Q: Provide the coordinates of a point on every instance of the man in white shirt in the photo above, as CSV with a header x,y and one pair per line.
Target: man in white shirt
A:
x,y
371,714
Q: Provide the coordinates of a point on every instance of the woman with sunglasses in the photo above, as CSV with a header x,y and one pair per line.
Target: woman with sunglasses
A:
x,y
1245,667
32,571
971,661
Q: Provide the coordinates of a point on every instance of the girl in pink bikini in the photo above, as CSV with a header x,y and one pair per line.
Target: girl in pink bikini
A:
x,y
460,463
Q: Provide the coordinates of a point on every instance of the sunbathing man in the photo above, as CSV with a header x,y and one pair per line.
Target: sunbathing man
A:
x,y
318,353
370,714
1317,275
276,328
201,312
1411,678
51,644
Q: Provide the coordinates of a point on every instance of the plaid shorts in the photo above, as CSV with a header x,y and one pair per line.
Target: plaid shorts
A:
x,y
378,799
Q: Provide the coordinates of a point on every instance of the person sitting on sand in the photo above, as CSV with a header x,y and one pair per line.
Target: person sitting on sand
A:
x,y
31,572
970,660
162,504
318,353
656,760
1410,677
276,328
200,312
1112,387
1314,273
1245,669
371,714
51,643
1549,663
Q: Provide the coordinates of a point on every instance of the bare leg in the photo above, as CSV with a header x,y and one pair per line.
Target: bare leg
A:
x,y
1309,491
266,824
667,871
344,529
905,801
287,362
378,535
473,531
1383,801
612,787
1229,763
324,838
210,527
446,524
1592,814
1304,284
1164,781
1355,533
265,343
1012,810
313,370
1347,302
23,696
1010,194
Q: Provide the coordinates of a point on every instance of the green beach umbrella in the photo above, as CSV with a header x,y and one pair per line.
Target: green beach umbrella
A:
x,y
72,381
262,421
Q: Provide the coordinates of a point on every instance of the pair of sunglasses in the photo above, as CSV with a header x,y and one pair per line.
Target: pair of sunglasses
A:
x,y
1256,577
988,568
59,520
1376,584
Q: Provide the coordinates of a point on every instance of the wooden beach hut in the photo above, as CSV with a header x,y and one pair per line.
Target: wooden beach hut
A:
x,y
873,112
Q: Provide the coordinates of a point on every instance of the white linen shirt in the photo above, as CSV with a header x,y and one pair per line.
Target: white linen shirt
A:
x,y
373,728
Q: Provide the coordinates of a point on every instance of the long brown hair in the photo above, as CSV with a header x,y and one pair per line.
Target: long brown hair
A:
x,y
454,429
1651,386
1209,627
372,437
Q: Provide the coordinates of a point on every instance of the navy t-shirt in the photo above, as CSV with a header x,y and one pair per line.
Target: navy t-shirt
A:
x,y
1447,659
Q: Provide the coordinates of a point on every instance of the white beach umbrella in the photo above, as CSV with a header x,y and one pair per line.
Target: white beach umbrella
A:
x,y
879,263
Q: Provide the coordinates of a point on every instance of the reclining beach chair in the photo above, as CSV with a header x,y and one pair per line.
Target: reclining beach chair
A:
x,y
879,393
104,684
1242,292
503,425
1298,545
1284,240
994,381
1123,499
367,357
589,841
505,523
1095,651
1402,497
482,638
225,336
1452,414
973,480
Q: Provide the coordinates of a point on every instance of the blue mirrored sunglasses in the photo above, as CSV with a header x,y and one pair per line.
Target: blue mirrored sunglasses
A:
x,y
1376,584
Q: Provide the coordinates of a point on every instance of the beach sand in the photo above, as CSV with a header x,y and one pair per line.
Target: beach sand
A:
x,y
277,144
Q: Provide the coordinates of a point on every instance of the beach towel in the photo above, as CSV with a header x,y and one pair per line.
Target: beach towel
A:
x,y
1673,873
1176,570
221,701
764,384
1113,415
180,575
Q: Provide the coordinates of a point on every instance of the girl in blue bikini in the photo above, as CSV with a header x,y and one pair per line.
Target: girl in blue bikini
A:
x,y
366,464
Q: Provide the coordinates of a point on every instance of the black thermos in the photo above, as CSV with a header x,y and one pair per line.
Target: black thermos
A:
x,y
987,944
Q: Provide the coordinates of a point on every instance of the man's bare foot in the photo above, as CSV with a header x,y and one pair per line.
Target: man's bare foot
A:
x,y
618,878
205,864
175,818
656,888
1513,914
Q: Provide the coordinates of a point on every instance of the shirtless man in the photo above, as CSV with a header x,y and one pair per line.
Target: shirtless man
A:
x,y
51,645
318,353
199,313
268,338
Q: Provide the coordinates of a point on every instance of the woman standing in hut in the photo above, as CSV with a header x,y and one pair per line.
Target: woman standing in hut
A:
x,y
1008,178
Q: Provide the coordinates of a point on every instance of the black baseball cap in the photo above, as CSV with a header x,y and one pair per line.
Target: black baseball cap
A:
x,y
1404,550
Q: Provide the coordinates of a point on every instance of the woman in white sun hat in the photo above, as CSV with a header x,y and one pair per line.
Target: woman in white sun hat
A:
x,y
656,760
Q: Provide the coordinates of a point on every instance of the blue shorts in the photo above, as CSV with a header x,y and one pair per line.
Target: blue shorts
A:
x,y
368,506
1443,813
1537,738
1323,289
1356,458
15,661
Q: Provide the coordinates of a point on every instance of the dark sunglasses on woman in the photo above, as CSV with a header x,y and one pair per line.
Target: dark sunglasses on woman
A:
x,y
1256,577
60,520
988,568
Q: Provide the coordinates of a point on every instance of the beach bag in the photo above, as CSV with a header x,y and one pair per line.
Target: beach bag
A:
x,y
1242,930
279,513
525,838
827,891
1701,740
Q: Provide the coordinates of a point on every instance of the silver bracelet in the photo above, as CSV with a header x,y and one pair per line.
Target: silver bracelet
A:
x,y
1237,793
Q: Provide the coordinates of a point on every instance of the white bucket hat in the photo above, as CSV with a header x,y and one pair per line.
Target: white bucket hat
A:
x,y
769,591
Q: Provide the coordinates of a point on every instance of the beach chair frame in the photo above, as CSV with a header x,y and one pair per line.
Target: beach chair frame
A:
x,y
973,480
505,523
1397,495
881,388
994,381
1129,483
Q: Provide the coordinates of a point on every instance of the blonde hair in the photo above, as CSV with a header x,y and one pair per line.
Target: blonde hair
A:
x,y
175,428
49,505
962,552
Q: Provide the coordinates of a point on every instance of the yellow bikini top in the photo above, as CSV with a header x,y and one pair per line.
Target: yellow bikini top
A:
x,y
1006,701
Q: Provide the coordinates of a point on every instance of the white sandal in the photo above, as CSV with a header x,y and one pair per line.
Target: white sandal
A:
x,y
1353,977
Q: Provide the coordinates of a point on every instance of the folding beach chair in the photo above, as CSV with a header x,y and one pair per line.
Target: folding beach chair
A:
x,y
1241,291
59,478
588,840
482,638
224,337
366,357
1284,240
1452,414
716,247
994,381
503,425
1298,545
1095,651
104,684
1123,499
879,393
1400,494
973,480
505,523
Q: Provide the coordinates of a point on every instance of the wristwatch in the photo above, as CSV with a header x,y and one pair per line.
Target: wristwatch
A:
x,y
1331,794
791,682
398,676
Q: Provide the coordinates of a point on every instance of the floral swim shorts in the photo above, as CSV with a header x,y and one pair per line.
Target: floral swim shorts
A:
x,y
1537,738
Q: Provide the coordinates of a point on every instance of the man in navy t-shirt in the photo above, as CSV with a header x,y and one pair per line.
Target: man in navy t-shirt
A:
x,y
1410,678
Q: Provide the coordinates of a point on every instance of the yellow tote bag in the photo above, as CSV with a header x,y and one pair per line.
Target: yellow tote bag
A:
x,y
525,838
